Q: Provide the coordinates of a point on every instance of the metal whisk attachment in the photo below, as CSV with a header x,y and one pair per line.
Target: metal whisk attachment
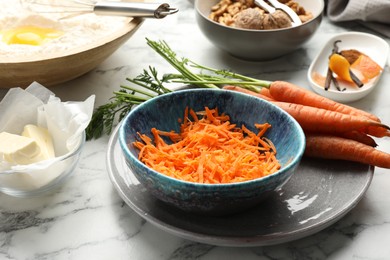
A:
x,y
113,8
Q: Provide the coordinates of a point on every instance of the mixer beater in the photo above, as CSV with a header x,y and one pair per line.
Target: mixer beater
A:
x,y
110,8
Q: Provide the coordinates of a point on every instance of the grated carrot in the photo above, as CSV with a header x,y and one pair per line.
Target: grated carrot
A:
x,y
209,149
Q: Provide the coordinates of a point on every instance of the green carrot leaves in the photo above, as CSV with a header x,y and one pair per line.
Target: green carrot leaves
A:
x,y
149,84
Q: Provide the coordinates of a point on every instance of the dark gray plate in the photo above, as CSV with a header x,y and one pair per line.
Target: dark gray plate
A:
x,y
320,193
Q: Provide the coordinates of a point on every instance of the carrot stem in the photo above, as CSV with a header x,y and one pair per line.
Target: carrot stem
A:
x,y
249,92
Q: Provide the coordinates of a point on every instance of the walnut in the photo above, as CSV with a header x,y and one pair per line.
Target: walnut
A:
x,y
235,8
276,20
246,14
306,17
222,9
249,18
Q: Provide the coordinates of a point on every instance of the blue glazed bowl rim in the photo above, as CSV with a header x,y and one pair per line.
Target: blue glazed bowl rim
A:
x,y
134,159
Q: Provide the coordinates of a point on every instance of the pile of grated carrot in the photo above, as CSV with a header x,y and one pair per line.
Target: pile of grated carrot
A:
x,y
210,150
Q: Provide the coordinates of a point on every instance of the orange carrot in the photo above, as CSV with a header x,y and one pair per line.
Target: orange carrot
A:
x,y
360,137
210,150
246,91
266,92
319,120
332,147
288,92
354,135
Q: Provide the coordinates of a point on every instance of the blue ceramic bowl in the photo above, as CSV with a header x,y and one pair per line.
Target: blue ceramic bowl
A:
x,y
163,113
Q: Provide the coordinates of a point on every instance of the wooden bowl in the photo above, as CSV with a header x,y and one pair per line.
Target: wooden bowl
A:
x,y
57,68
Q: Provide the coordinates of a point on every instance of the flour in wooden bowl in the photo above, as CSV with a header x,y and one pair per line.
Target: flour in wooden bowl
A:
x,y
24,34
50,50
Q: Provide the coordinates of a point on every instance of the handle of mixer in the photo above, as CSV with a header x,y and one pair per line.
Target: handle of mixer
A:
x,y
147,10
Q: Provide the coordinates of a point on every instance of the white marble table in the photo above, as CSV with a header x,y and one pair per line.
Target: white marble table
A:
x,y
86,219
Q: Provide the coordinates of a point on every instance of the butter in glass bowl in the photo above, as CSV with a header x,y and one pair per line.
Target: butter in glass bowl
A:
x,y
41,139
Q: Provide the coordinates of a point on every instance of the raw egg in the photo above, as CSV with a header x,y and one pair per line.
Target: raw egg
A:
x,y
30,35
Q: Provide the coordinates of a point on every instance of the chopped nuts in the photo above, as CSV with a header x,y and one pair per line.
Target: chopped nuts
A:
x,y
229,13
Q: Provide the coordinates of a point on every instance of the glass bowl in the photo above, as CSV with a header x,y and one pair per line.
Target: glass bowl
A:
x,y
36,179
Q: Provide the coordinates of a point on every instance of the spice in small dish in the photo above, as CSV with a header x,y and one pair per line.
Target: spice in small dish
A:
x,y
350,66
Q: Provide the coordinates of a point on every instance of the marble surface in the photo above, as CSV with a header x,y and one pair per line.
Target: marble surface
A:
x,y
86,219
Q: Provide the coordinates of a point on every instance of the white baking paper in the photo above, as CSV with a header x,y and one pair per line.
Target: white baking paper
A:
x,y
66,122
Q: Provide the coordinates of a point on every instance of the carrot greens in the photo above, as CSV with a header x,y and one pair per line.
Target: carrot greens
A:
x,y
149,84
105,116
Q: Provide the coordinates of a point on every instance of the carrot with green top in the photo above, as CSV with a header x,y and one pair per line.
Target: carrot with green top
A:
x,y
319,120
288,92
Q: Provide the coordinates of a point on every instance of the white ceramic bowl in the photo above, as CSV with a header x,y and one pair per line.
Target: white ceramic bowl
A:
x,y
376,48
35,180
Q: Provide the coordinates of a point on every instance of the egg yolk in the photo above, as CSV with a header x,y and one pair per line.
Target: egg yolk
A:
x,y
30,35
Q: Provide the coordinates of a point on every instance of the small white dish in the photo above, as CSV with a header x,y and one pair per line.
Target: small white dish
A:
x,y
374,47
